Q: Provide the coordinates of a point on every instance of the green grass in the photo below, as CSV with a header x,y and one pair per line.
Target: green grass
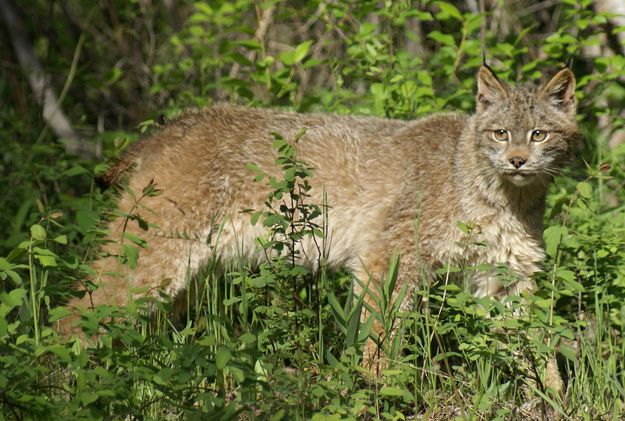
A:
x,y
279,342
275,341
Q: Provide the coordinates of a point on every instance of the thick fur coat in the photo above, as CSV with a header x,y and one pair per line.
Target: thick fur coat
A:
x,y
392,186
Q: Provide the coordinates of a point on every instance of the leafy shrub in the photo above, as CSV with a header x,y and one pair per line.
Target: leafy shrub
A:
x,y
278,342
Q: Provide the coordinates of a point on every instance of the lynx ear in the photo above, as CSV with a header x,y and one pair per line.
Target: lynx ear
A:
x,y
560,91
489,88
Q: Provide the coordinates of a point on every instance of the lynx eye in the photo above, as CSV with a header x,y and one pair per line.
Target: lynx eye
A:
x,y
500,135
539,136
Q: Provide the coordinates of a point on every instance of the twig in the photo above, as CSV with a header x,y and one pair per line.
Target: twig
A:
x,y
536,8
264,21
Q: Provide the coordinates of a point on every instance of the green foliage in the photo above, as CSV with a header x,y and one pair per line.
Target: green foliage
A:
x,y
287,300
277,341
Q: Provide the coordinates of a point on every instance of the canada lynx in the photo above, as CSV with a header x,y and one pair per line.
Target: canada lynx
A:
x,y
490,170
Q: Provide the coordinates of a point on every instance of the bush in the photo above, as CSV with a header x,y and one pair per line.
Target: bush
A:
x,y
256,343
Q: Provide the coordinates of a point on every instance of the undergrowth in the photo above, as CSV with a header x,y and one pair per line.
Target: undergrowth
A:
x,y
272,339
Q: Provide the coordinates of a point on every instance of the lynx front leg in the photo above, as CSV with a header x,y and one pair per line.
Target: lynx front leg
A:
x,y
380,283
373,357
552,377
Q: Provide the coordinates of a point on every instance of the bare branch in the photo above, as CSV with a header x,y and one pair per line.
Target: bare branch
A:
x,y
39,83
616,41
264,21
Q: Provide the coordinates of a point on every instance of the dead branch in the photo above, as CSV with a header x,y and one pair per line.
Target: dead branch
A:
x,y
39,83
616,41
264,21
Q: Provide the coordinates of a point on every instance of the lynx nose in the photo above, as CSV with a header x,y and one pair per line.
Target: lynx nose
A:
x,y
517,161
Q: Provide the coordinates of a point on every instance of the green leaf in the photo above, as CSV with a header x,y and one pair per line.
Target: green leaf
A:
x,y
132,255
301,51
203,8
257,282
162,377
38,232
464,227
565,275
251,44
553,237
511,323
135,239
5,264
255,217
61,239
61,351
391,278
86,219
222,357
13,298
58,313
76,170
391,391
46,261
584,189
441,38
447,10
288,58
543,303
248,338
353,324
88,397
278,415
365,330
15,277
453,288
568,352
231,301
337,309
24,245
44,252
570,280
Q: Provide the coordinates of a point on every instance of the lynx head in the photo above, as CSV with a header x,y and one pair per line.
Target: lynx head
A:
x,y
526,133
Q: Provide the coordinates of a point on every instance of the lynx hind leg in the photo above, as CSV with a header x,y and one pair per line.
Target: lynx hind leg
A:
x,y
372,358
164,262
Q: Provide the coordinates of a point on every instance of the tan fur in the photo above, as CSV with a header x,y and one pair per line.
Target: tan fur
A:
x,y
391,185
